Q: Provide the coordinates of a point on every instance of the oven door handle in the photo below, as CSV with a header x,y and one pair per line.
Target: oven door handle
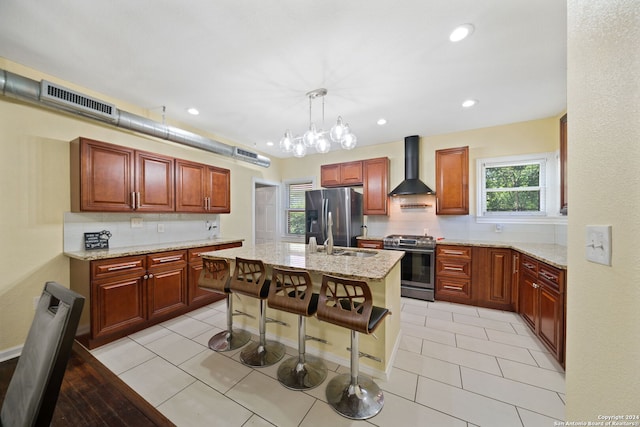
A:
x,y
417,251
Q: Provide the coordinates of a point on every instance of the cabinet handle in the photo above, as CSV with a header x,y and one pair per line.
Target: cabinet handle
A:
x,y
170,259
369,245
529,265
146,276
454,268
150,276
133,200
548,276
138,203
535,285
515,264
122,267
450,252
457,288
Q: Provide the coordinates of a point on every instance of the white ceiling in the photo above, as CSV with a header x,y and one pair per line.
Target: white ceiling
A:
x,y
247,64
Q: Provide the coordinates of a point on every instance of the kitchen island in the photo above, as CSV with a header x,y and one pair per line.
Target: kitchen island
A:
x,y
380,268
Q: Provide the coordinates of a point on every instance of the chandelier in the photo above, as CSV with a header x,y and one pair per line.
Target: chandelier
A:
x,y
318,138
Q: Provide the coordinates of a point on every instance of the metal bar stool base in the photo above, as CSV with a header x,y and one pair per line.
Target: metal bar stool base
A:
x,y
302,376
226,341
356,401
258,355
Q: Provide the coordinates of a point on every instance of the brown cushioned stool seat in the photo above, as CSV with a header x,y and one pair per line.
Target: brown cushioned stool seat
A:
x,y
250,279
348,303
215,276
291,291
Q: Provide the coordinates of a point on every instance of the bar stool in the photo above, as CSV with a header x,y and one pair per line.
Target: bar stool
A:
x,y
348,303
291,291
250,279
215,277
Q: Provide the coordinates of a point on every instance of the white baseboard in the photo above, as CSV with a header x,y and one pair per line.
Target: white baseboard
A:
x,y
10,353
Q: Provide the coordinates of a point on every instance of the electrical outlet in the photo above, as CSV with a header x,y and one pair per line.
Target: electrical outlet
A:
x,y
426,231
598,243
136,222
160,228
499,228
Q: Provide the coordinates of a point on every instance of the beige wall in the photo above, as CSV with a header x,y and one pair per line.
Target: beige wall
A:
x,y
603,310
35,193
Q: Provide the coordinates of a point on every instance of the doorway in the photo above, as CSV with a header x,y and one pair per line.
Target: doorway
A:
x,y
266,196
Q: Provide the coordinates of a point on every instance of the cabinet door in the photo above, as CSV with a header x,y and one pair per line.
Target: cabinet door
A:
x,y
166,283
155,183
492,278
452,181
528,299
118,304
550,324
351,173
218,190
191,186
330,175
105,178
376,186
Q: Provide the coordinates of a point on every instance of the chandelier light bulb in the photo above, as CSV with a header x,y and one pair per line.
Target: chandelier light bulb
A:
x,y
349,141
311,136
299,149
337,131
323,145
286,143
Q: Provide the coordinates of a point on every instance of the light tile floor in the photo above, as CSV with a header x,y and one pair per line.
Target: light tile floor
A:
x,y
456,366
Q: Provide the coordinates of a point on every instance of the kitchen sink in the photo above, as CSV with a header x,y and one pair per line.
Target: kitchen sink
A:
x,y
361,254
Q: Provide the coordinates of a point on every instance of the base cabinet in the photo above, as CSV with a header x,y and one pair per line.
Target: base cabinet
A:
x,y
453,274
541,303
128,294
492,278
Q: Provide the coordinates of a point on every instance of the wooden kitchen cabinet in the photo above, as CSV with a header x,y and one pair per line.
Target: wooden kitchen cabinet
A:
x,y
370,244
452,181
376,186
166,283
341,174
127,294
453,274
202,188
541,303
110,178
492,278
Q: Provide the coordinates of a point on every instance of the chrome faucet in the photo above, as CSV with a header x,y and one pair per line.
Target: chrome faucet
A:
x,y
329,242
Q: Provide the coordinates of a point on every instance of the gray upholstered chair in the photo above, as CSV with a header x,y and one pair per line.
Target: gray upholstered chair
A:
x,y
33,391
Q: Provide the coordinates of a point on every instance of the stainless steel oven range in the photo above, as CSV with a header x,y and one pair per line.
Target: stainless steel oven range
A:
x,y
417,265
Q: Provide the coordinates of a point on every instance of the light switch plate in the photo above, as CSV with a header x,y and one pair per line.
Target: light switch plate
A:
x,y
598,244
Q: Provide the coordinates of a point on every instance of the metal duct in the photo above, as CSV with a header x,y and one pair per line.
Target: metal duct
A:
x,y
52,96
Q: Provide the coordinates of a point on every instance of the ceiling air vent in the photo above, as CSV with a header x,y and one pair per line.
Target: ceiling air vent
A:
x,y
239,152
76,101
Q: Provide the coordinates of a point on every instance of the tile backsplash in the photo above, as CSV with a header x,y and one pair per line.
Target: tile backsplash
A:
x,y
176,228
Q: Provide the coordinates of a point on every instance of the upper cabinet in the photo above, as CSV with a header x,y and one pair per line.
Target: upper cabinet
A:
x,y
341,174
452,181
202,188
376,186
563,165
111,178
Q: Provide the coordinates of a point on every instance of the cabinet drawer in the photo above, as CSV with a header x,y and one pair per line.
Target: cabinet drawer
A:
x,y
551,276
166,258
453,251
453,267
529,264
459,288
118,266
371,244
194,254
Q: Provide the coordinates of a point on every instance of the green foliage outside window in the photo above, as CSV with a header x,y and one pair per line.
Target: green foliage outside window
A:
x,y
295,207
296,223
513,188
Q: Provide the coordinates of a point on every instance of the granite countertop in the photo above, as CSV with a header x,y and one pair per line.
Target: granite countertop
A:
x,y
297,255
145,249
552,254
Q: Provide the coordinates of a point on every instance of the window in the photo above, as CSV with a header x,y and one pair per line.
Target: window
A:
x,y
294,206
517,187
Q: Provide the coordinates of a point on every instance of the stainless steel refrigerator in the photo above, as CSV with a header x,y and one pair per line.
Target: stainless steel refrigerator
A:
x,y
345,206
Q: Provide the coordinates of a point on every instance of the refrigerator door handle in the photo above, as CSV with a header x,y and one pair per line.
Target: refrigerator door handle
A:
x,y
325,218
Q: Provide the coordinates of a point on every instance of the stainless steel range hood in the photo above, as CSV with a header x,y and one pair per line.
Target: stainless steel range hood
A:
x,y
411,184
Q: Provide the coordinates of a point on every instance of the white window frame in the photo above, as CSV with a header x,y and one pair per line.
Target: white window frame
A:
x,y
549,190
286,209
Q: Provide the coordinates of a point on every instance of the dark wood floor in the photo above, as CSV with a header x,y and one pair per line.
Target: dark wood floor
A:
x,y
91,395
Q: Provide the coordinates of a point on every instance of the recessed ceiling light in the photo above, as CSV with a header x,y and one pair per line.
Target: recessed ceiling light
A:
x,y
382,122
469,103
193,111
270,143
461,32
